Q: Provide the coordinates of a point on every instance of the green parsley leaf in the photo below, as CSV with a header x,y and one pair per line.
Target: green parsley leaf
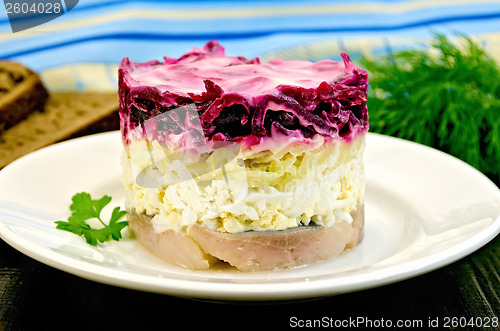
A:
x,y
84,208
115,226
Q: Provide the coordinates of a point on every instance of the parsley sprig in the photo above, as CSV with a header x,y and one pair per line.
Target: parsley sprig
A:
x,y
84,208
445,95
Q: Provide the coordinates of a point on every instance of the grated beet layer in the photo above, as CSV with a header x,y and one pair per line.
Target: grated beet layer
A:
x,y
334,108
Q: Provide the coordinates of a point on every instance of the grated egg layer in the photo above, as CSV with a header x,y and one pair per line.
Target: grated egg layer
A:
x,y
232,191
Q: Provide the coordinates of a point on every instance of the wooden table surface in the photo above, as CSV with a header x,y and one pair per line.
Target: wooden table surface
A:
x,y
34,296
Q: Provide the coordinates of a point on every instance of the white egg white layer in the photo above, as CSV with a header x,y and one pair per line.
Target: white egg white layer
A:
x,y
233,191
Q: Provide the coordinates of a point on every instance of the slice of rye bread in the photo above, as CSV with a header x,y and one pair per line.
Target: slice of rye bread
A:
x,y
21,93
66,115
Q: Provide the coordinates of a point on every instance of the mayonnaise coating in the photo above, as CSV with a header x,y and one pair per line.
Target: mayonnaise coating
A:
x,y
242,100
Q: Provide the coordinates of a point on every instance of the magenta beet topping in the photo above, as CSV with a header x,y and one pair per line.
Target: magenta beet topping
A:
x,y
243,100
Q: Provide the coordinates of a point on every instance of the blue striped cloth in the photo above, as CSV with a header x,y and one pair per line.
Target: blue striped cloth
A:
x,y
82,48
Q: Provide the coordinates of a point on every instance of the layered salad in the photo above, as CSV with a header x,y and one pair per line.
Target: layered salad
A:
x,y
221,150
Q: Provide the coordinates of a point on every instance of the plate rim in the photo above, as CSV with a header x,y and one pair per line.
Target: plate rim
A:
x,y
251,291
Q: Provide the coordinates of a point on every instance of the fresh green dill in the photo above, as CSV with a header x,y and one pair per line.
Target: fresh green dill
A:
x,y
446,95
83,208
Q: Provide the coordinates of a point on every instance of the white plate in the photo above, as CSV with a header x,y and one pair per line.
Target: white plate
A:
x,y
424,209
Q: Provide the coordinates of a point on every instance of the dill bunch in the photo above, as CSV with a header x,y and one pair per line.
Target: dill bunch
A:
x,y
446,95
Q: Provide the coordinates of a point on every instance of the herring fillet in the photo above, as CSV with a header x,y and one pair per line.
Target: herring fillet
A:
x,y
198,248
172,246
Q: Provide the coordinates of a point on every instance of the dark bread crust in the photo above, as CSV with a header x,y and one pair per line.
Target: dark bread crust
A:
x,y
21,93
